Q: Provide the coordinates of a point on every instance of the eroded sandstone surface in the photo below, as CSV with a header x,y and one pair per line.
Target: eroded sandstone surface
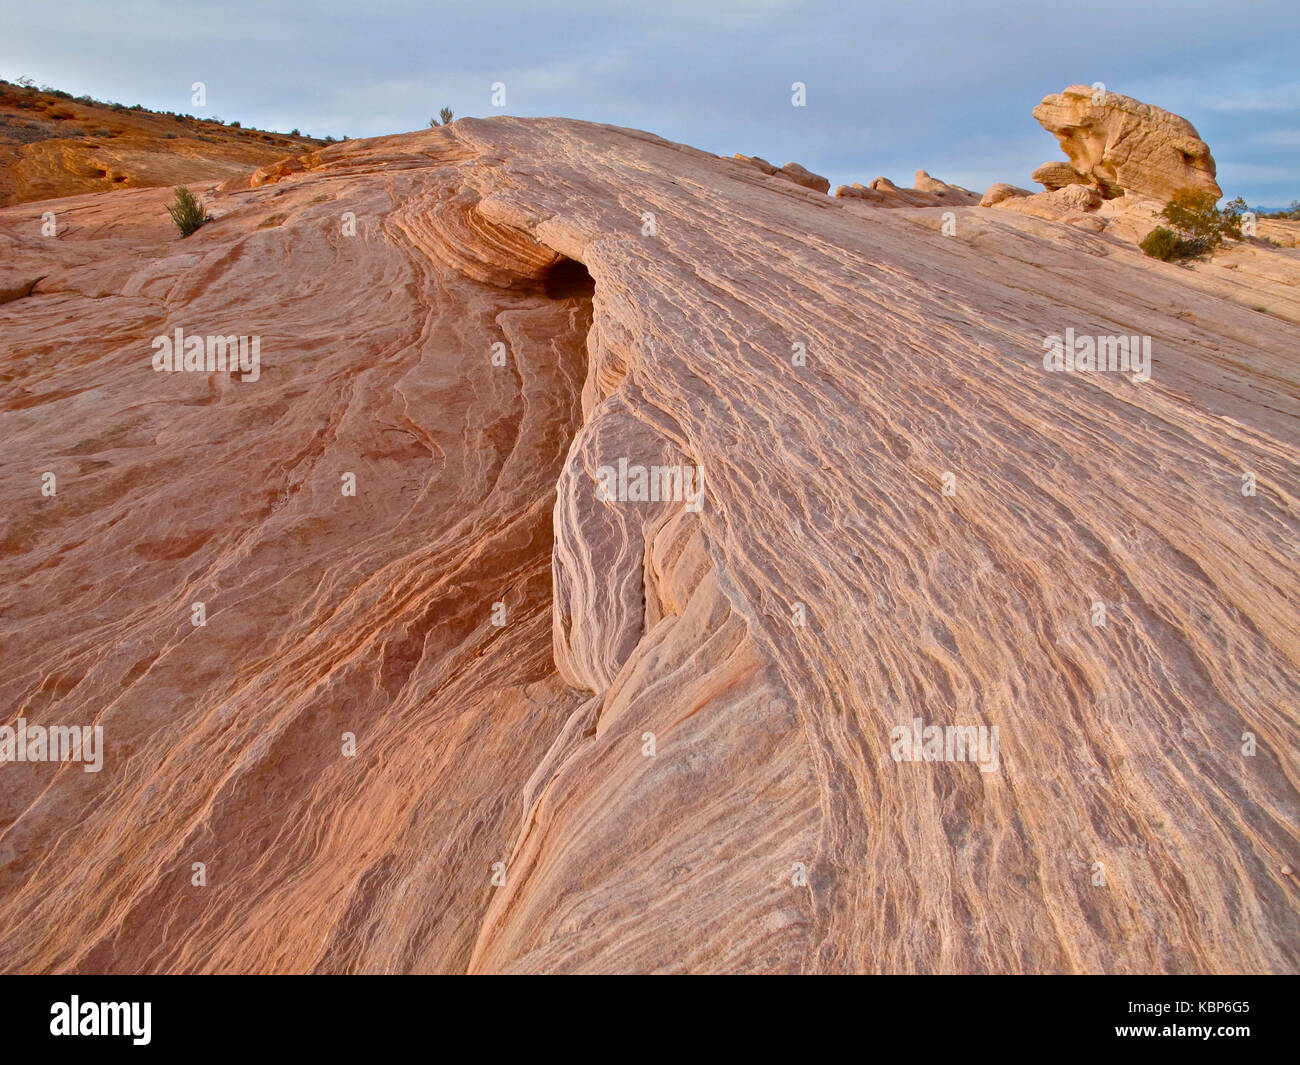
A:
x,y
598,734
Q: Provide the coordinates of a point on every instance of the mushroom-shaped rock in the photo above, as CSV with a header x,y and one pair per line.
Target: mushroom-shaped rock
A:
x,y
1122,145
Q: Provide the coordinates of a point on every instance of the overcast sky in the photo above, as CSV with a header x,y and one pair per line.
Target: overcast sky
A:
x,y
944,86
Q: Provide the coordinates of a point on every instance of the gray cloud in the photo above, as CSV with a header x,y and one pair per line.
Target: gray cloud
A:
x,y
891,87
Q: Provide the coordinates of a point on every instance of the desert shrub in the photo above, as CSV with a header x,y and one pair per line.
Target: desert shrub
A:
x,y
103,133
236,125
1164,244
1198,226
170,136
294,133
187,212
1194,215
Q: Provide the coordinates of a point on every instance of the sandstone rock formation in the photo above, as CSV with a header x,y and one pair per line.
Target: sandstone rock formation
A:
x,y
1000,191
929,192
1053,176
51,146
791,171
756,161
1121,145
802,176
598,734
1126,160
923,182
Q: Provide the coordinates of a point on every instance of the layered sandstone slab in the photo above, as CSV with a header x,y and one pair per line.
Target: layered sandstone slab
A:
x,y
600,734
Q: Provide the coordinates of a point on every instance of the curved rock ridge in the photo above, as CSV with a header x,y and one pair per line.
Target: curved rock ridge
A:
x,y
601,734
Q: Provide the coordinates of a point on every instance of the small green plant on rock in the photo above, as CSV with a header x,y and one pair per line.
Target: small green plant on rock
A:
x,y
1164,244
188,211
1198,226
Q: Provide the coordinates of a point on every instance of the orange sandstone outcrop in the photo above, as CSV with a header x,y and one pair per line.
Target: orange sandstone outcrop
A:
x,y
1126,160
1121,145
51,146
1000,191
790,171
468,692
929,192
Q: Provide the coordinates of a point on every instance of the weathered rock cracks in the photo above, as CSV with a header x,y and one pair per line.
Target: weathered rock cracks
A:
x,y
599,734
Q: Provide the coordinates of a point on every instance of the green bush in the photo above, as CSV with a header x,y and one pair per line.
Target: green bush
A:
x,y
1198,226
187,212
1164,244
1196,218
